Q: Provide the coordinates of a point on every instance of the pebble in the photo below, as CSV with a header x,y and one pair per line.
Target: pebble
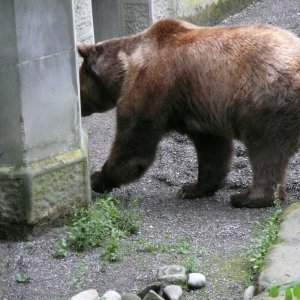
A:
x,y
86,295
172,274
196,280
249,292
173,292
111,295
130,296
153,296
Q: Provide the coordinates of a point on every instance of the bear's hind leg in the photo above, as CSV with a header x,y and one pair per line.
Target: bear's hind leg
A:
x,y
269,163
214,157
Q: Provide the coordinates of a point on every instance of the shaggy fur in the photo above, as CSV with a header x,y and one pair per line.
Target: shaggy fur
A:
x,y
213,84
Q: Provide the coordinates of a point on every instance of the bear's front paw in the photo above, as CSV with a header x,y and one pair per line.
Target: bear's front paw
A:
x,y
98,183
195,190
245,199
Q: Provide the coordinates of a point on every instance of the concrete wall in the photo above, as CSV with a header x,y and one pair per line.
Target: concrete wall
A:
x,y
114,18
208,12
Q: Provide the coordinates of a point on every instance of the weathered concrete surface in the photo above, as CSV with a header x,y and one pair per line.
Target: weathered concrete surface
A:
x,y
282,264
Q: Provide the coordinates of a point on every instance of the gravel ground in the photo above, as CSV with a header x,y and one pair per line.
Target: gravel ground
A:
x,y
219,231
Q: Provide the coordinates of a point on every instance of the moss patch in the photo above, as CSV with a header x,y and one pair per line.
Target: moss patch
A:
x,y
225,276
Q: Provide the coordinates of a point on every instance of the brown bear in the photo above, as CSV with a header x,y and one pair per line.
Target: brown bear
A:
x,y
212,84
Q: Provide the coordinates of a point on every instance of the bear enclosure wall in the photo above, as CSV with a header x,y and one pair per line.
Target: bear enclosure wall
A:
x,y
114,18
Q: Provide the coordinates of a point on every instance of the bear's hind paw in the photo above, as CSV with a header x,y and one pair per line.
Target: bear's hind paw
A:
x,y
194,190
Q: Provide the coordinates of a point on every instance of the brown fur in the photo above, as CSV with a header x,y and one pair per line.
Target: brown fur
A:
x,y
213,84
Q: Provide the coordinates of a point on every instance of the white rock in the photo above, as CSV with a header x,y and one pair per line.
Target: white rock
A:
x,y
249,292
87,295
111,295
196,280
173,292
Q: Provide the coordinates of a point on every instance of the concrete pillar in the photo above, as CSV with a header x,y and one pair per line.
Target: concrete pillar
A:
x,y
107,16
43,155
114,18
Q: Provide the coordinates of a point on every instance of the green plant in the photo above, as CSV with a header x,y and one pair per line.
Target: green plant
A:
x,y
144,245
60,248
290,289
78,275
180,247
191,264
103,224
183,246
23,278
111,250
267,237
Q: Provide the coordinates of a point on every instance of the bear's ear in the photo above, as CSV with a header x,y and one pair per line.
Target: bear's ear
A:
x,y
85,50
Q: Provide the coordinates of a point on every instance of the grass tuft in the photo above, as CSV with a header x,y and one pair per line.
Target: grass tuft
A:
x,y
103,224
267,237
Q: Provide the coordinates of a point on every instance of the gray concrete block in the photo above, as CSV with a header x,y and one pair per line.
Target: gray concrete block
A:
x,y
43,157
282,265
290,226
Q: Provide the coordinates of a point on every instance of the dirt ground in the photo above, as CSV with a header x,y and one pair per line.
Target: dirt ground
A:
x,y
219,231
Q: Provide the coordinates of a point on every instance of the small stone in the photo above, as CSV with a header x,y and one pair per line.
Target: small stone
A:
x,y
172,274
86,295
173,292
130,296
196,280
111,295
153,296
249,292
155,286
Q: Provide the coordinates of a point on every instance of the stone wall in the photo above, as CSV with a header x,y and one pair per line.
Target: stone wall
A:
x,y
84,21
163,9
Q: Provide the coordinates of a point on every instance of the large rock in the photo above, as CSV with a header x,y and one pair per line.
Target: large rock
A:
x,y
172,274
155,286
86,295
196,280
130,296
249,293
111,295
172,292
153,296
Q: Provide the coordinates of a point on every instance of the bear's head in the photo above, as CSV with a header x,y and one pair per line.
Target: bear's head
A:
x,y
101,75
